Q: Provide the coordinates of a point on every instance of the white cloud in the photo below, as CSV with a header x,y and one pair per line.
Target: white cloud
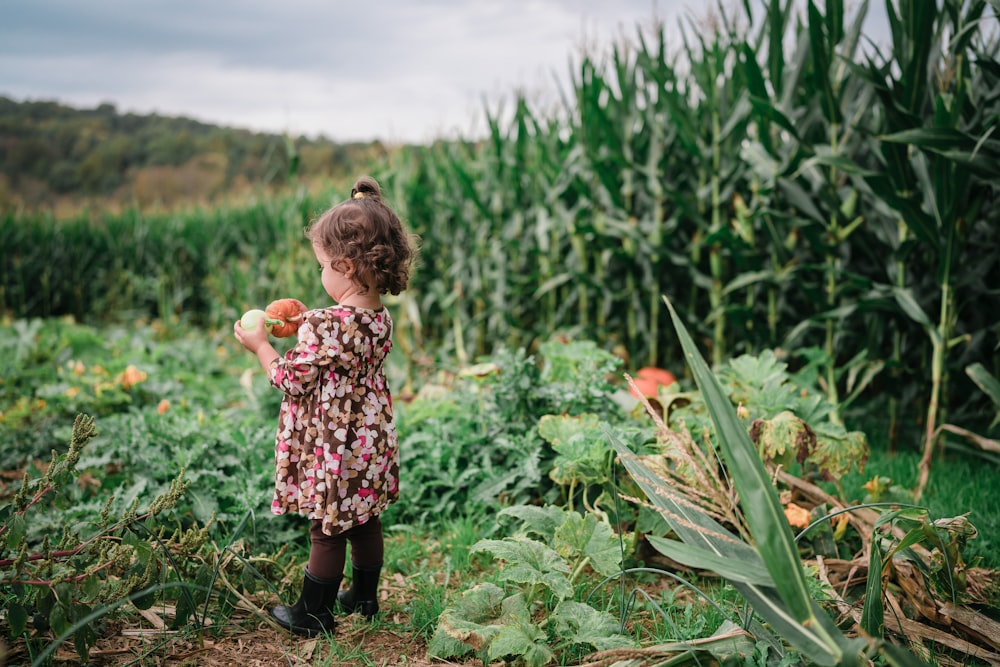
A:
x,y
397,70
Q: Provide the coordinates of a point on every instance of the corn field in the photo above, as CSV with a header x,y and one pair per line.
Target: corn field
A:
x,y
827,198
785,182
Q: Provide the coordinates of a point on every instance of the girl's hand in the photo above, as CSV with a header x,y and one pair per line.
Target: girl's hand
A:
x,y
252,339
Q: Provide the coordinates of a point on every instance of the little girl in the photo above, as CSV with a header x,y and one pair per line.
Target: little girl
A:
x,y
336,449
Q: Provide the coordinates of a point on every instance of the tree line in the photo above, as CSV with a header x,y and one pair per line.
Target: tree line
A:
x,y
53,152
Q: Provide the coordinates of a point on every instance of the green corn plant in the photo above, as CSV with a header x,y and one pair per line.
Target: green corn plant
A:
x,y
807,111
940,161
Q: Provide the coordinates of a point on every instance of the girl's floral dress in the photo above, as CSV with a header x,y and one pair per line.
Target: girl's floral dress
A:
x,y
336,451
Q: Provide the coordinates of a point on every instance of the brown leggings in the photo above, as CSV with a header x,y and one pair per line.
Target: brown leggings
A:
x,y
328,553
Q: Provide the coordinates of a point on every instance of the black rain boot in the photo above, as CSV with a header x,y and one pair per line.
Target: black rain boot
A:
x,y
362,596
313,613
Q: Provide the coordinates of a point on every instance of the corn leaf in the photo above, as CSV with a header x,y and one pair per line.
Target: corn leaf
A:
x,y
873,613
758,498
985,381
698,529
746,571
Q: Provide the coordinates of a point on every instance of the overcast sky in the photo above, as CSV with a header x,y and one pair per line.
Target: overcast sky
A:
x,y
395,70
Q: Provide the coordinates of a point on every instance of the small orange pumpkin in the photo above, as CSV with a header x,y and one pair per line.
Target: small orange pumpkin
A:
x,y
646,386
658,375
289,311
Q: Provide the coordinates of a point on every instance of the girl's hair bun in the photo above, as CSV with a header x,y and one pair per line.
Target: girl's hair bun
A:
x,y
365,187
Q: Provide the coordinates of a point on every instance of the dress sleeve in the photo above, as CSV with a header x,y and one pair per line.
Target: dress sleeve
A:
x,y
297,372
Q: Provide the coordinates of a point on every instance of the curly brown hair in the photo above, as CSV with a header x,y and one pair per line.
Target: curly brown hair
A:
x,y
366,231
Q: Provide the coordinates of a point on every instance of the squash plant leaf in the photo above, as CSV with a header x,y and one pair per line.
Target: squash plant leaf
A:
x,y
525,641
529,562
578,623
465,624
518,635
584,537
837,450
538,521
784,438
581,451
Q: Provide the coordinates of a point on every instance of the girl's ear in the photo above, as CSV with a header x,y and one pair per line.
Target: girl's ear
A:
x,y
347,268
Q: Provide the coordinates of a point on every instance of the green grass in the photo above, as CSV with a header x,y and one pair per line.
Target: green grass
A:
x,y
961,482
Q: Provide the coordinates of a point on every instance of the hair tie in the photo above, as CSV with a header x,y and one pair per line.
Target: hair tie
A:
x,y
359,195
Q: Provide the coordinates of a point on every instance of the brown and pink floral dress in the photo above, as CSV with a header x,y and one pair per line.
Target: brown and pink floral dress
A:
x,y
336,451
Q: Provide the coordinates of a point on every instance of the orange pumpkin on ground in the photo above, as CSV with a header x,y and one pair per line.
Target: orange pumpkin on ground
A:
x,y
289,311
658,375
649,379
646,386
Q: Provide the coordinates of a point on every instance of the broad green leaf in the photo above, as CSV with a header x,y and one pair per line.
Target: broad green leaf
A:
x,y
17,617
584,536
578,623
515,609
529,562
536,520
455,636
837,450
581,448
464,625
527,642
479,603
16,530
558,429
142,549
784,438
58,620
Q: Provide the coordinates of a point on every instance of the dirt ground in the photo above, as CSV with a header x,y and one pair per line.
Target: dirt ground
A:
x,y
248,640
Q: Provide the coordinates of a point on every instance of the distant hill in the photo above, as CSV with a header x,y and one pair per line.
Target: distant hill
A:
x,y
58,158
